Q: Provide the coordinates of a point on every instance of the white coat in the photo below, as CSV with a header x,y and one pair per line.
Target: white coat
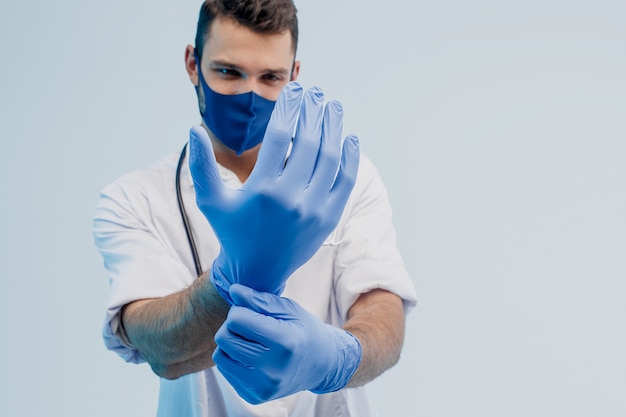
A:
x,y
140,234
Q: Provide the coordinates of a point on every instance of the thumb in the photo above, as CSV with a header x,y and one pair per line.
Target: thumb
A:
x,y
264,303
203,166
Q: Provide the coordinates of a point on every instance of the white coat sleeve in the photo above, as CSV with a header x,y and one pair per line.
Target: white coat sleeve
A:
x,y
368,257
138,256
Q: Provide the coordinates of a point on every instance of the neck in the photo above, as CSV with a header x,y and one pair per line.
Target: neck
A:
x,y
241,165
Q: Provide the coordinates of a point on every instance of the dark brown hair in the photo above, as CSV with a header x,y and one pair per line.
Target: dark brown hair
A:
x,y
261,16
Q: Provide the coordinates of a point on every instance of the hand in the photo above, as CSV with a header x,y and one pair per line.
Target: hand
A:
x,y
270,347
286,209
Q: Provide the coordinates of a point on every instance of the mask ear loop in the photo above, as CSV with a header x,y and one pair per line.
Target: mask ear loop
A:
x,y
183,213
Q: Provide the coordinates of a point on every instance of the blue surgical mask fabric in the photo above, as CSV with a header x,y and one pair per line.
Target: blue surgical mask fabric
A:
x,y
238,121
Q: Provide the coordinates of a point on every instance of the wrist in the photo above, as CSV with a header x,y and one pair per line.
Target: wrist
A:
x,y
349,354
221,283
204,296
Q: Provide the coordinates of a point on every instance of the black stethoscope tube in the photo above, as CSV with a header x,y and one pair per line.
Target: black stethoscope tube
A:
x,y
183,213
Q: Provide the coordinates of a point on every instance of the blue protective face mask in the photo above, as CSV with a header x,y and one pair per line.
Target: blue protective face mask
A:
x,y
238,121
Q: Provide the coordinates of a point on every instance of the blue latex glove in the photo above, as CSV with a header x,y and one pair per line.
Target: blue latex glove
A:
x,y
270,347
286,209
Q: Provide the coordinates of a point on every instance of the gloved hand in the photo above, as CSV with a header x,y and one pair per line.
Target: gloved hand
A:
x,y
286,209
270,347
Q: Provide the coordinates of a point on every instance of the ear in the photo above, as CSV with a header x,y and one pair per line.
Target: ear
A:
x,y
190,65
295,71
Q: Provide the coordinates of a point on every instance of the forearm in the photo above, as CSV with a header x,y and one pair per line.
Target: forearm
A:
x,y
377,320
175,333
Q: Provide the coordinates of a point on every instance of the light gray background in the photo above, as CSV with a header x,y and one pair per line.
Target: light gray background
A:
x,y
498,126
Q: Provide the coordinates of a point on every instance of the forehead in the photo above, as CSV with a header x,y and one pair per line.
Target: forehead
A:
x,y
230,41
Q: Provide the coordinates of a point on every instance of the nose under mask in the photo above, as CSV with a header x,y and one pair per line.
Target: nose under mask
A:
x,y
238,121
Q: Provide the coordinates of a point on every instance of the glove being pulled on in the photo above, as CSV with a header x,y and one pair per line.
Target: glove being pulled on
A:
x,y
270,347
287,207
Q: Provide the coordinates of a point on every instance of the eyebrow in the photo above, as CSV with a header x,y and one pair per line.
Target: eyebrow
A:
x,y
224,64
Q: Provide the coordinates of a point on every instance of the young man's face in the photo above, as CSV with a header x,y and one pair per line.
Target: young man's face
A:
x,y
237,60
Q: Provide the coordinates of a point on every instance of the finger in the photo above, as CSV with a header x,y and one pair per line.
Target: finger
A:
x,y
241,378
262,302
263,330
242,350
262,317
306,142
203,167
279,132
330,152
347,175
244,323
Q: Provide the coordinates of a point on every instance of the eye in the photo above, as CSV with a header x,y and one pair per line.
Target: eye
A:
x,y
272,78
227,73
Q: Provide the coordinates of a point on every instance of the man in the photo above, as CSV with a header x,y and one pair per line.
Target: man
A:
x,y
257,273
